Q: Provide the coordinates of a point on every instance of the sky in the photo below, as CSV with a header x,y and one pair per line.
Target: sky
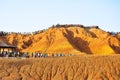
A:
x,y
33,15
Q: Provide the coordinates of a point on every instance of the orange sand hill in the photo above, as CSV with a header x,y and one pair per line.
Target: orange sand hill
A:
x,y
73,39
118,36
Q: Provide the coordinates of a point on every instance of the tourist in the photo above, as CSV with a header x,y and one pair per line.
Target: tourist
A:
x,y
38,55
34,54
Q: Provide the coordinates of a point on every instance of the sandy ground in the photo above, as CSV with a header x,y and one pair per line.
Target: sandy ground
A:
x,y
61,68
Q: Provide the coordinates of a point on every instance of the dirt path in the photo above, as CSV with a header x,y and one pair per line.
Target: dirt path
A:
x,y
63,68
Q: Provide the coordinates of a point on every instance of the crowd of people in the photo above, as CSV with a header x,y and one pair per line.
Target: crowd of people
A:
x,y
32,55
39,55
13,54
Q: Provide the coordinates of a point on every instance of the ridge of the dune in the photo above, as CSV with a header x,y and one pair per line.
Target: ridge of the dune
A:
x,y
74,39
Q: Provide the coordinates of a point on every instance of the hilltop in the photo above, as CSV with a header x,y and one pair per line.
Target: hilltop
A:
x,y
75,39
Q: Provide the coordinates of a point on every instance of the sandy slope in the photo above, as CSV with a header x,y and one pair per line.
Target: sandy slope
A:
x,y
74,39
85,67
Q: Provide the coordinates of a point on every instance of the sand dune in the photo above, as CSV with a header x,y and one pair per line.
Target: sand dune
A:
x,y
74,39
85,67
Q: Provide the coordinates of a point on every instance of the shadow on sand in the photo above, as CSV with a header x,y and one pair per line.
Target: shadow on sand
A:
x,y
77,42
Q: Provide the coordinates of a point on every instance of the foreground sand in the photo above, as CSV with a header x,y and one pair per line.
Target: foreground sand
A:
x,y
62,68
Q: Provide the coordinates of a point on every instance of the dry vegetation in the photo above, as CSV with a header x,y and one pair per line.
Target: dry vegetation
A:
x,y
84,67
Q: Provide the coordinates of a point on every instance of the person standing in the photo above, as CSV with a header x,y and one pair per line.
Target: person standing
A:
x,y
38,55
